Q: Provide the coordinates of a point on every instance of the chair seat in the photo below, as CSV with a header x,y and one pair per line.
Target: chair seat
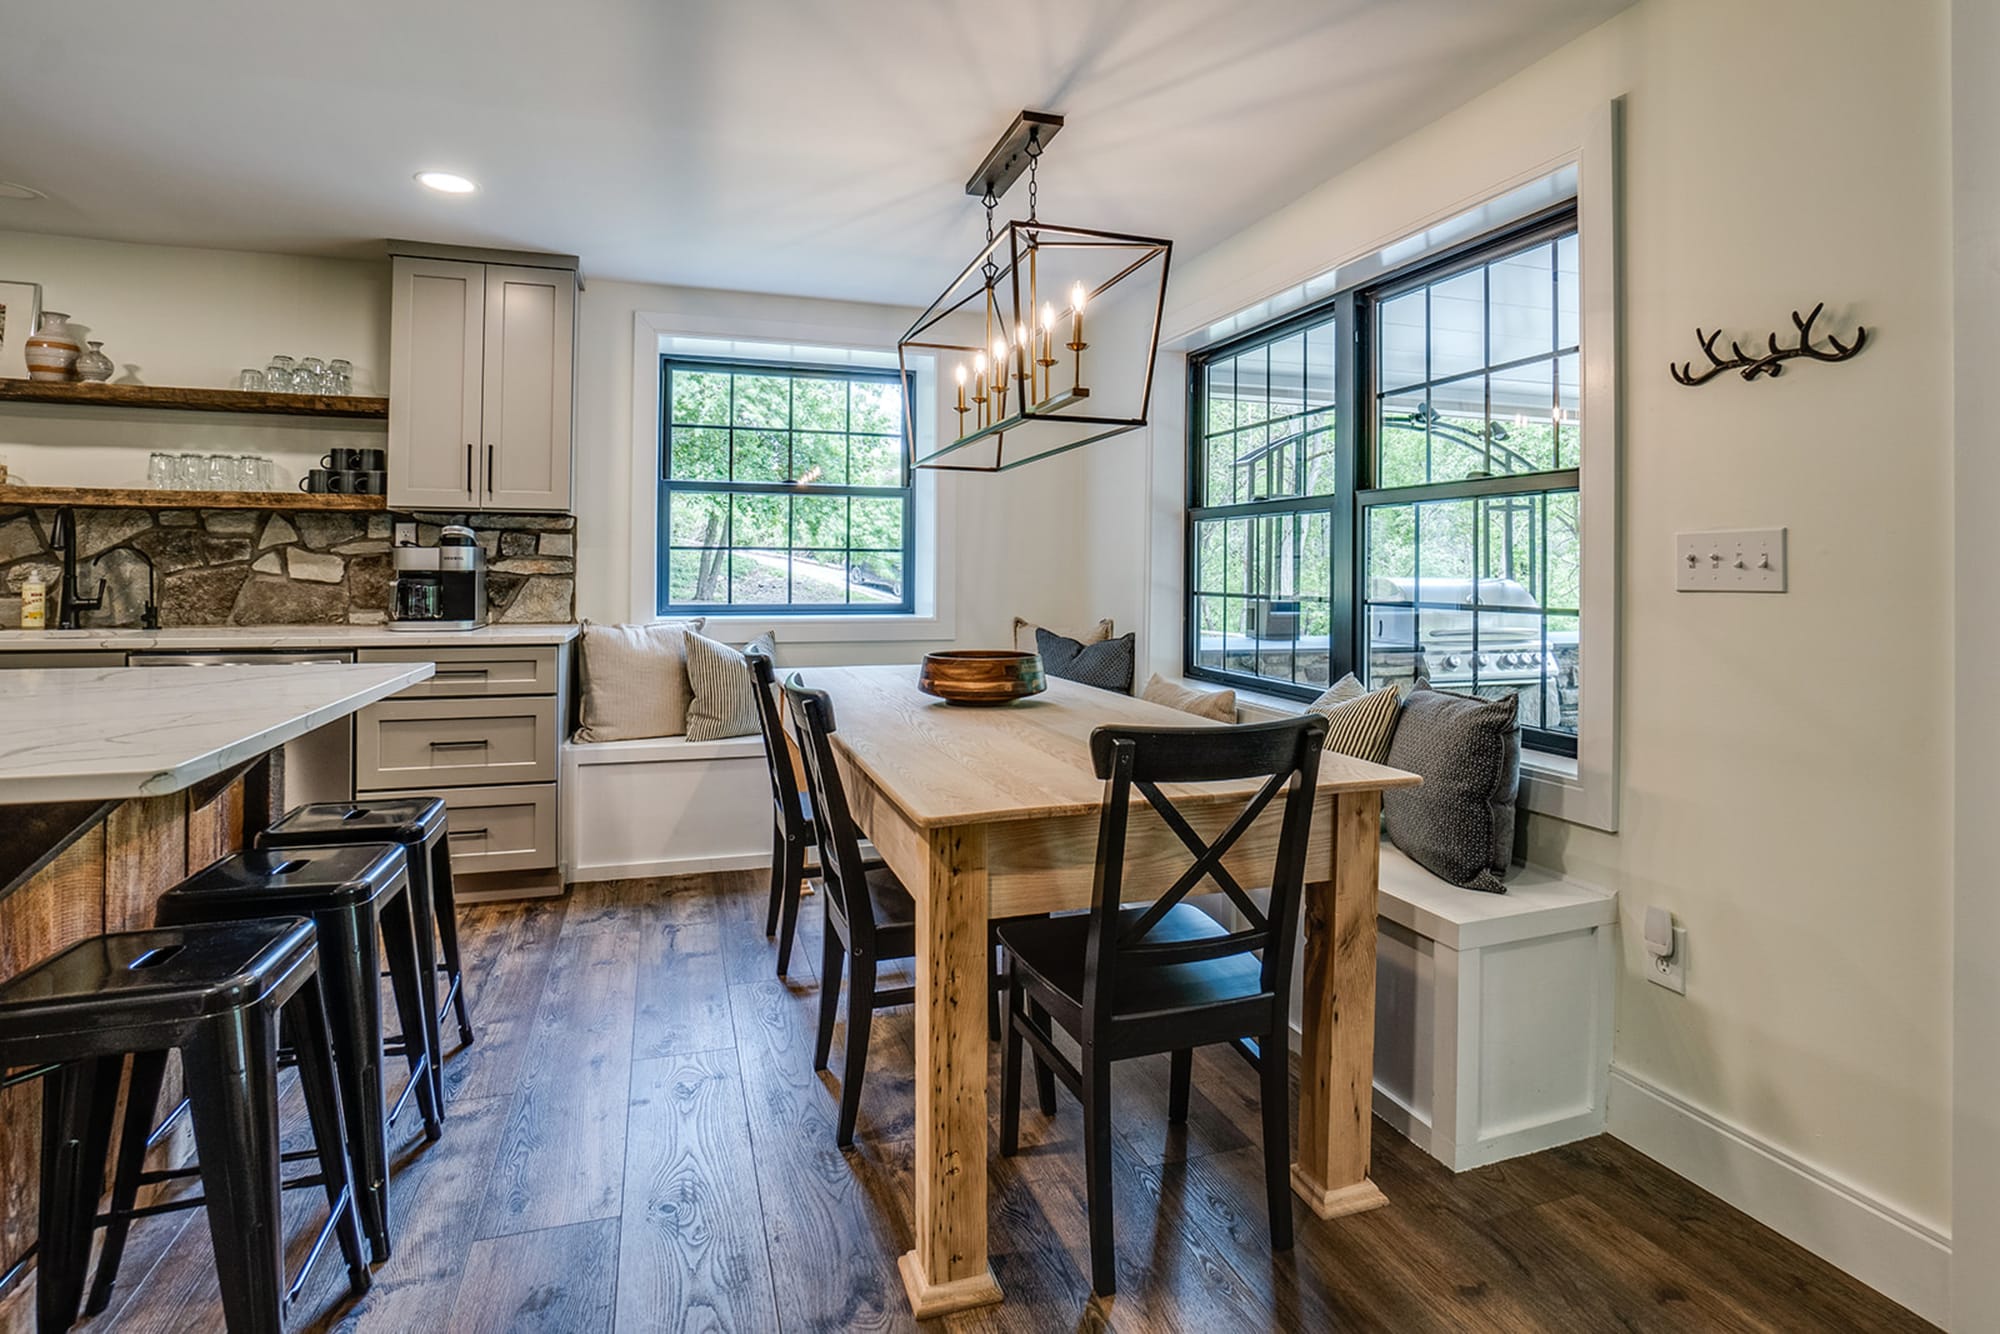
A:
x,y
1049,954
895,914
407,820
301,879
134,978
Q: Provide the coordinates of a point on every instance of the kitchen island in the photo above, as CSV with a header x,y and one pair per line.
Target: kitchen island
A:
x,y
115,783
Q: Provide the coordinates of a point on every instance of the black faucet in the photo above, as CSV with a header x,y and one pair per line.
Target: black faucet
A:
x,y
62,536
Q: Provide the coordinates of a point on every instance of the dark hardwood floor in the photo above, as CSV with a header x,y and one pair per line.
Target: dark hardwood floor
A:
x,y
637,1141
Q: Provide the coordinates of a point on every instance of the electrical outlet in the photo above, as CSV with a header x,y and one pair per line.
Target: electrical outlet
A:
x,y
1750,560
1671,972
405,535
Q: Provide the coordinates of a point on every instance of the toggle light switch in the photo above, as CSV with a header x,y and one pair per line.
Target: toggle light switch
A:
x,y
1750,560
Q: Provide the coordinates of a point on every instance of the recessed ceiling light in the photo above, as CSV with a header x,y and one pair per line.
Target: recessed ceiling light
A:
x,y
446,182
15,190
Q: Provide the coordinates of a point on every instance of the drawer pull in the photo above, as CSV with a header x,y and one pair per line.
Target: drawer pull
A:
x,y
460,745
460,673
468,833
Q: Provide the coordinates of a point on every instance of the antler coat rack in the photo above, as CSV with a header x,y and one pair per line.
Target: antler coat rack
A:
x,y
1753,364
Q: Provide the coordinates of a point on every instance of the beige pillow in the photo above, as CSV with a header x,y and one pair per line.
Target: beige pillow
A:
x,y
1359,721
635,681
725,694
1024,634
1217,704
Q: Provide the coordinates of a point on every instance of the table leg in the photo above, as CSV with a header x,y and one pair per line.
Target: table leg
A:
x,y
948,1270
1337,1041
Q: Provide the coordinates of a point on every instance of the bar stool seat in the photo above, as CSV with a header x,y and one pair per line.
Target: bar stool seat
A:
x,y
217,995
357,897
420,824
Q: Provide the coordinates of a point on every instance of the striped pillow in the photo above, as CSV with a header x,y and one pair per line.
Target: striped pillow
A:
x,y
1358,722
725,694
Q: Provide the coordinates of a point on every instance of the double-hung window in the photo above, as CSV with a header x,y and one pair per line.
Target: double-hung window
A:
x,y
1402,501
783,489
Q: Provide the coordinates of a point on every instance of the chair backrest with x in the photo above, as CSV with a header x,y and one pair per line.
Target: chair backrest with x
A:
x,y
1286,755
839,844
770,720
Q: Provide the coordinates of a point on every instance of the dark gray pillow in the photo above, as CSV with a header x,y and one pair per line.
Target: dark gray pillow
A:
x,y
1459,825
1107,664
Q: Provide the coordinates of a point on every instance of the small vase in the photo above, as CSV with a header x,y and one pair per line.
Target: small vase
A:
x,y
94,365
52,352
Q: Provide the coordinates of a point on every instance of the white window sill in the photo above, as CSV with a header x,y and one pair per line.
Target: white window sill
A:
x,y
886,629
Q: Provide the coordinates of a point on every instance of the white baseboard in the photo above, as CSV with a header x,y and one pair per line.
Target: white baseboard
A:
x,y
670,866
1904,1259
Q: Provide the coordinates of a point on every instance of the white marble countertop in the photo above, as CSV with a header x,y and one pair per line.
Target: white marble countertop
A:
x,y
104,733
228,637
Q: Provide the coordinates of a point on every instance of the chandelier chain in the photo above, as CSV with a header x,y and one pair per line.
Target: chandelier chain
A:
x,y
1034,185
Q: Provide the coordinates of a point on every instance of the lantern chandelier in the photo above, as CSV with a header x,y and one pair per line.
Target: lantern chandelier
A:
x,y
1008,336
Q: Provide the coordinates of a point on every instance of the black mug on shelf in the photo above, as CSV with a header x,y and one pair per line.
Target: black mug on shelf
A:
x,y
355,460
367,483
325,481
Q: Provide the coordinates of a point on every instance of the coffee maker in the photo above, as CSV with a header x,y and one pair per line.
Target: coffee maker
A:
x,y
441,587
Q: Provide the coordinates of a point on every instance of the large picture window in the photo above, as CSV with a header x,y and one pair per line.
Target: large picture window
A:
x,y
1435,531
783,489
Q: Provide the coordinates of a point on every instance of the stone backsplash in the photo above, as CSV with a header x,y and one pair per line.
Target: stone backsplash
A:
x,y
277,567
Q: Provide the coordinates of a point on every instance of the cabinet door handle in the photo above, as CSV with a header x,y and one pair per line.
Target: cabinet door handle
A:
x,y
468,467
489,467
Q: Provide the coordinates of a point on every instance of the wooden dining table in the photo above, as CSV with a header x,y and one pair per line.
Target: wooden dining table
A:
x,y
986,813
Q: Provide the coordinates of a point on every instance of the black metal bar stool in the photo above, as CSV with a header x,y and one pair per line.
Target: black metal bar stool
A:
x,y
420,825
357,896
218,995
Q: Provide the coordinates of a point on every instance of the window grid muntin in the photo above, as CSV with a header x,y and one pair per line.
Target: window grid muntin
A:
x,y
726,549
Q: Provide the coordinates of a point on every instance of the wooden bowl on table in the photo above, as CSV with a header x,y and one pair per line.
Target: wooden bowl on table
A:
x,y
981,676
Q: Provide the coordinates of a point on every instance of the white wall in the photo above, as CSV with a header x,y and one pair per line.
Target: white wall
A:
x,y
1786,762
1975,1229
169,315
1016,537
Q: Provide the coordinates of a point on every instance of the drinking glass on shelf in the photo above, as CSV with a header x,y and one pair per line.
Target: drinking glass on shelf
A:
x,y
160,471
341,370
310,378
249,473
221,473
188,473
278,375
250,380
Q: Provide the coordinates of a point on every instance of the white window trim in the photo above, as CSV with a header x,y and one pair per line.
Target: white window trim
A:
x,y
1583,790
656,334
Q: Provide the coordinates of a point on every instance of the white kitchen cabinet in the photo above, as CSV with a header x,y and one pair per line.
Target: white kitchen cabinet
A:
x,y
480,385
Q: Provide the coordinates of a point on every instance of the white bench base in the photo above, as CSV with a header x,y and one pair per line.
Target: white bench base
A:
x,y
665,806
1493,1012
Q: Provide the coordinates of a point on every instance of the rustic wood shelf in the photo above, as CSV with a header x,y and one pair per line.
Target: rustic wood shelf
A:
x,y
84,394
147,498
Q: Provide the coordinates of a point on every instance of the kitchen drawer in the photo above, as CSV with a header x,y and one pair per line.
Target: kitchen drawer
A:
x,y
497,828
466,672
422,744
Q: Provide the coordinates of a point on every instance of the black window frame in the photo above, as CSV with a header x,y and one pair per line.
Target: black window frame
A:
x,y
1356,461
668,486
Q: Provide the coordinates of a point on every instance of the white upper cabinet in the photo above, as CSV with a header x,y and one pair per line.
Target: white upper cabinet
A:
x,y
480,401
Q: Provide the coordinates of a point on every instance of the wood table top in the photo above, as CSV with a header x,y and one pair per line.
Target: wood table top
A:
x,y
946,765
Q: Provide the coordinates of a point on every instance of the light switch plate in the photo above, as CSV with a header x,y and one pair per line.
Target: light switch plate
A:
x,y
1746,560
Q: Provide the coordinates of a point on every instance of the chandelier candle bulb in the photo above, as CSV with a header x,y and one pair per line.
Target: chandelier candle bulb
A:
x,y
999,378
1076,343
1047,358
961,399
1023,355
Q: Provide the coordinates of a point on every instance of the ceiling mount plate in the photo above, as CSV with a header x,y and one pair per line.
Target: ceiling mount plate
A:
x,y
1009,157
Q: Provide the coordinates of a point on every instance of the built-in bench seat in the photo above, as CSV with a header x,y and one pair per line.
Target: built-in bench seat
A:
x,y
664,806
1492,1011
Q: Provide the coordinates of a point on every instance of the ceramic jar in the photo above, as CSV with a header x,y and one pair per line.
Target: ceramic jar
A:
x,y
94,365
52,351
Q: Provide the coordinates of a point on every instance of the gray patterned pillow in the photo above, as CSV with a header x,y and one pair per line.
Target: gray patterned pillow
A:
x,y
1106,664
1459,825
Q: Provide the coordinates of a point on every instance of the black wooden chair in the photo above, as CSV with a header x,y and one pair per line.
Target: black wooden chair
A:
x,y
1139,981
870,917
791,814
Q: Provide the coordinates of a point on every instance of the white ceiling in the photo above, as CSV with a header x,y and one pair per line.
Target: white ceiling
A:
x,y
812,147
